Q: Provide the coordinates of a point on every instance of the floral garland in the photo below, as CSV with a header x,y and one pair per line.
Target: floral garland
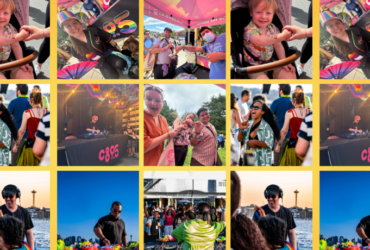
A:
x,y
89,246
349,245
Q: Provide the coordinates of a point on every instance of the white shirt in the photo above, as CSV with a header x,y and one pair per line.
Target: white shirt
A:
x,y
243,108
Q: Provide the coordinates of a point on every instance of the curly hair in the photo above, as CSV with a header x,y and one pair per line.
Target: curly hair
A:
x,y
269,117
273,229
11,230
245,235
235,192
6,117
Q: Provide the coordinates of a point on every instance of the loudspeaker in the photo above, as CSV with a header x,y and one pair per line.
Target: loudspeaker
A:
x,y
266,88
192,35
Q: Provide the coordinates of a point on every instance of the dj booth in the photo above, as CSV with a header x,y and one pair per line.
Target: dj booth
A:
x,y
92,152
345,152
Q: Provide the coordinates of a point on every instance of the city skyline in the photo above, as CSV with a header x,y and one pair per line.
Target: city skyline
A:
x,y
254,183
90,194
27,181
342,206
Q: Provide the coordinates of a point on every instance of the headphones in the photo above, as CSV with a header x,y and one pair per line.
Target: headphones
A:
x,y
17,195
273,186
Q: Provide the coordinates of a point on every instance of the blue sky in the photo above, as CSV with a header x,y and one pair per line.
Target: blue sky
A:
x,y
86,196
343,202
153,24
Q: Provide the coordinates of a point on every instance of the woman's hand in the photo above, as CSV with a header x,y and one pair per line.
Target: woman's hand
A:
x,y
23,34
277,148
179,48
289,68
15,148
285,34
198,127
297,33
173,133
34,33
181,127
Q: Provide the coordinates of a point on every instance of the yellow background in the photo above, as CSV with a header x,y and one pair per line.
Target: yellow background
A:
x,y
53,138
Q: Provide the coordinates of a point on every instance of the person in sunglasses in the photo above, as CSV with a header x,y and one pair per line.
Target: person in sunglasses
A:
x,y
273,193
156,129
10,194
111,229
259,135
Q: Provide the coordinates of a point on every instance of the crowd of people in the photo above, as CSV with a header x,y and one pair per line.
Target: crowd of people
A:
x,y
192,225
166,48
201,135
25,132
270,226
279,135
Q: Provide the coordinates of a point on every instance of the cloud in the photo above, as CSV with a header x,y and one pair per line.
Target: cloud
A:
x,y
189,98
153,21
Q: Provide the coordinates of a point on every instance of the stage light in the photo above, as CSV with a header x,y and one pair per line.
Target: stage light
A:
x,y
73,91
335,91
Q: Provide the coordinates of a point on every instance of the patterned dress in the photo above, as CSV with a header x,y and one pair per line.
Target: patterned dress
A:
x,y
6,50
265,134
197,234
6,139
264,53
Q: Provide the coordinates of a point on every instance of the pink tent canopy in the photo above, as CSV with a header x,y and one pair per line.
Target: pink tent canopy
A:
x,y
68,3
284,9
330,3
187,13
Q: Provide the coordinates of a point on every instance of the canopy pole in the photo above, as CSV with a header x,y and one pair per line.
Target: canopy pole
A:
x,y
188,31
195,36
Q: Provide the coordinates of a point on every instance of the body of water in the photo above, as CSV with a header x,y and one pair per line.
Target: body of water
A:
x,y
41,232
303,232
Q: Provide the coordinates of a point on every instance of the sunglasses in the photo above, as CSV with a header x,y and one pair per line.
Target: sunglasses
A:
x,y
255,107
8,196
151,87
116,211
271,196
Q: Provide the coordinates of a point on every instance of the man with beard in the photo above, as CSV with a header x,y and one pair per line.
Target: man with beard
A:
x,y
355,127
111,229
10,194
273,193
363,230
93,127
215,49
204,141
155,225
17,107
164,48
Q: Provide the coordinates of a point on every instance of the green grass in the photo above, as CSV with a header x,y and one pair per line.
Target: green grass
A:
x,y
221,153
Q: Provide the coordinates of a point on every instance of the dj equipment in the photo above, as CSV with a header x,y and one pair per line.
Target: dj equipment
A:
x,y
92,135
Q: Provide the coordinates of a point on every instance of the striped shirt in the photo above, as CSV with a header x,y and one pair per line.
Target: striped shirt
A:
x,y
306,128
43,130
205,152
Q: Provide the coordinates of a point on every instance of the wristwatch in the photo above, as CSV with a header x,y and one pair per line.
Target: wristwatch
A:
x,y
103,239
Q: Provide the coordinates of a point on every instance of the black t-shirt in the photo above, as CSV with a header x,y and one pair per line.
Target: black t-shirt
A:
x,y
94,126
22,214
357,44
283,214
97,42
154,228
365,224
355,126
113,229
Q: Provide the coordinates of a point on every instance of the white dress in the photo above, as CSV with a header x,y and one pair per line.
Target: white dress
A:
x,y
235,144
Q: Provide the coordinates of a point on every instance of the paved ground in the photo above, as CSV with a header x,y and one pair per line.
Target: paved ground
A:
x,y
37,18
300,18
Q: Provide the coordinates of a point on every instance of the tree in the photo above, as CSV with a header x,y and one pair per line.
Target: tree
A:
x,y
217,112
219,29
169,113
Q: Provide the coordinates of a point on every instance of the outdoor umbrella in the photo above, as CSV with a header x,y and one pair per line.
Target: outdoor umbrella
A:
x,y
76,71
330,3
338,71
346,18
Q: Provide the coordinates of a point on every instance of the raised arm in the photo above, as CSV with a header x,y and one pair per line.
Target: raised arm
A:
x,y
13,38
190,48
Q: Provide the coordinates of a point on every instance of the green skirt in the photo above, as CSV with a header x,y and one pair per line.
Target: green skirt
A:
x,y
26,157
289,157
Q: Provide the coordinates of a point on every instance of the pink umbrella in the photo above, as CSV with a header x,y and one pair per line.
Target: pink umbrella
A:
x,y
22,11
68,3
187,13
330,3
